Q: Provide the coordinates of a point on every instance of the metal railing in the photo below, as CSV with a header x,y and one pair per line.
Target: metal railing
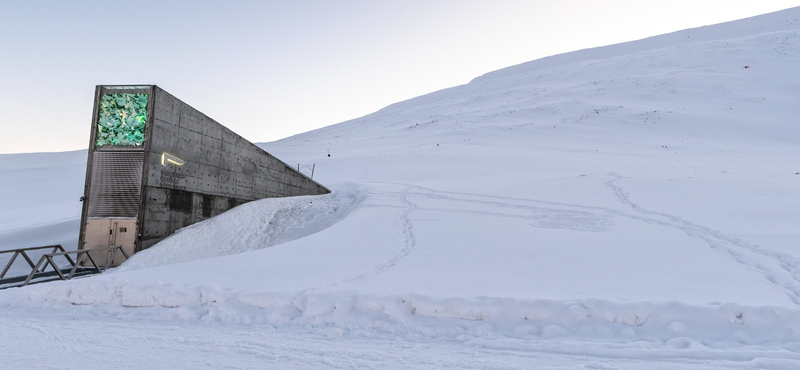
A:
x,y
75,268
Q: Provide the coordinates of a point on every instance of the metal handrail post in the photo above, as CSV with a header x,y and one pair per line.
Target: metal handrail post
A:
x,y
58,270
92,261
33,272
69,259
127,257
110,260
25,255
78,261
8,265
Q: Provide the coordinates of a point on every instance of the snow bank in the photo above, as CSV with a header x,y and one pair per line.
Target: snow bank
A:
x,y
606,326
251,226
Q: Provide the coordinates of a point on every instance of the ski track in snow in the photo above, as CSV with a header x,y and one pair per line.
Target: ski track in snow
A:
x,y
582,220
776,267
409,242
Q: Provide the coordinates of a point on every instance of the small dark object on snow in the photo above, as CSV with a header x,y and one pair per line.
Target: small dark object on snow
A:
x,y
747,66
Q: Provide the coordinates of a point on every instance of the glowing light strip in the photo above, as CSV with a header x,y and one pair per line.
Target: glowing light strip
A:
x,y
166,157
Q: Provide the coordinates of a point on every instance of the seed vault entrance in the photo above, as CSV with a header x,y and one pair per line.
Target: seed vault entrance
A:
x,y
156,165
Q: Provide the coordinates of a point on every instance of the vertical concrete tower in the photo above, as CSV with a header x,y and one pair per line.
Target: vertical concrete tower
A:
x,y
156,165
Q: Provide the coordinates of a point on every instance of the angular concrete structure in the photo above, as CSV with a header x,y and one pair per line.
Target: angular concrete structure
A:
x,y
156,165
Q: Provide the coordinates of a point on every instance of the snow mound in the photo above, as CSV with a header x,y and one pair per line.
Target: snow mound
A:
x,y
251,226
596,326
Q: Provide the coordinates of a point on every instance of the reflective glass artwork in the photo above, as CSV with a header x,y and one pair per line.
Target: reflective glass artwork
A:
x,y
122,119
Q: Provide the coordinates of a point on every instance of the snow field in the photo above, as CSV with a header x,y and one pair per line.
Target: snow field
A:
x,y
303,292
633,202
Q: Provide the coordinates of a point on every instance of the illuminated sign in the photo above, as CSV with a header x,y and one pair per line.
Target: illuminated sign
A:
x,y
169,158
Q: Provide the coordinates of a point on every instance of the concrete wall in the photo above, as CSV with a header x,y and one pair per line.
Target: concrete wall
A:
x,y
216,170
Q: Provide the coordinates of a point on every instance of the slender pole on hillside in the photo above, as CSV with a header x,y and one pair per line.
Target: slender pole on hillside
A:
x,y
314,165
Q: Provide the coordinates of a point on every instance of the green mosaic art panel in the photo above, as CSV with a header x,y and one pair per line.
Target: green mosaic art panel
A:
x,y
122,119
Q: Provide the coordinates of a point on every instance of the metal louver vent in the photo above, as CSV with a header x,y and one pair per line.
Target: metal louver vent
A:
x,y
115,187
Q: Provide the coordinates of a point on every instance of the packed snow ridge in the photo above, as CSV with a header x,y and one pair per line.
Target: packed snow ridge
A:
x,y
635,200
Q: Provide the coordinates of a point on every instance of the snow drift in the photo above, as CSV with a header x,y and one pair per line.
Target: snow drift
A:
x,y
251,226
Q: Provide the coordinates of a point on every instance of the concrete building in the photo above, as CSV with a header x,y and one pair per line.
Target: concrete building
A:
x,y
156,165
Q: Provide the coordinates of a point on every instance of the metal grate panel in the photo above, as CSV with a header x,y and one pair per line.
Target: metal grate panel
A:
x,y
116,184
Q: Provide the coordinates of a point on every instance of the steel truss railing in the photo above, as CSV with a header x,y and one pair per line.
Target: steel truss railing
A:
x,y
75,266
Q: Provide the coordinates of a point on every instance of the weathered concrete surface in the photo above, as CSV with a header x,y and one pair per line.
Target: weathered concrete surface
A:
x,y
196,168
193,168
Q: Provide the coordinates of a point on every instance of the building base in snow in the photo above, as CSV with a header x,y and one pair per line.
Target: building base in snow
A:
x,y
156,165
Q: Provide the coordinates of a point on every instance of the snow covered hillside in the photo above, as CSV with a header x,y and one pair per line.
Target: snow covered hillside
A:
x,y
628,205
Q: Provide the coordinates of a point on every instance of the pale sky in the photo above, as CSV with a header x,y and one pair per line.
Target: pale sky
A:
x,y
272,69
